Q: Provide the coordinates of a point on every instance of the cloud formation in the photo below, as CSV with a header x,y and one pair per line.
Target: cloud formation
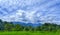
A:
x,y
30,10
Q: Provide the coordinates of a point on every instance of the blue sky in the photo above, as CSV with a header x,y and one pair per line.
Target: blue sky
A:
x,y
30,10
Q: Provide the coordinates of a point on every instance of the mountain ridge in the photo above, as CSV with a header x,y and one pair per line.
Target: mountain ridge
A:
x,y
28,24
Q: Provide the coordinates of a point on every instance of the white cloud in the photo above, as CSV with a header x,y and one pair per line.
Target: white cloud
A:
x,y
30,10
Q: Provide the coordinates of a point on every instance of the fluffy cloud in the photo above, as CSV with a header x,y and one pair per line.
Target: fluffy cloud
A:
x,y
30,10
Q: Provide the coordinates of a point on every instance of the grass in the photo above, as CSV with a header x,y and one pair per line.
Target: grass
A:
x,y
29,33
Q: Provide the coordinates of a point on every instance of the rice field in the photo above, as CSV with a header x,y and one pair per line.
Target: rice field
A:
x,y
29,33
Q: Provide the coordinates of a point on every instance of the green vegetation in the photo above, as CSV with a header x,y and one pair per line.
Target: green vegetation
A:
x,y
8,28
29,33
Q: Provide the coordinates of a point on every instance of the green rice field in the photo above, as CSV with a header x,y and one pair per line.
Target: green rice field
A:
x,y
29,33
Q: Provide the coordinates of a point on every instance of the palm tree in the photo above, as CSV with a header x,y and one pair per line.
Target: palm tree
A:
x,y
18,27
30,28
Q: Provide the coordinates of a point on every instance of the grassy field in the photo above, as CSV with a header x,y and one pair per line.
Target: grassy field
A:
x,y
29,33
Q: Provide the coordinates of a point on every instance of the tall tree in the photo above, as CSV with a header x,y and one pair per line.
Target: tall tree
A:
x,y
1,25
17,27
8,26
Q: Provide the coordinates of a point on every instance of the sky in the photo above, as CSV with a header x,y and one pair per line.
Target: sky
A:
x,y
33,11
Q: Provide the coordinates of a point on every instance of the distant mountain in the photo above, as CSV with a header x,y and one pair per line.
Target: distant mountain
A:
x,y
28,24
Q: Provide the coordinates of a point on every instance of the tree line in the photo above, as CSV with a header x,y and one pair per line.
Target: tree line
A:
x,y
9,26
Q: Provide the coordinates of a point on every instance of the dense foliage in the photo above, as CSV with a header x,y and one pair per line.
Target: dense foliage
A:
x,y
9,26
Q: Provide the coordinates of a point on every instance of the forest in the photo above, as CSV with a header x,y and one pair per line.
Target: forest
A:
x,y
9,26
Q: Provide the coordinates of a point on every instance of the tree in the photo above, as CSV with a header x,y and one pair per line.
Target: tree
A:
x,y
18,27
49,27
8,26
30,28
1,25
